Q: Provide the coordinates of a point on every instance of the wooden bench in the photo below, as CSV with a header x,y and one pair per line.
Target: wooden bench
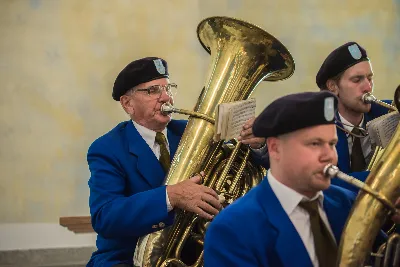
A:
x,y
77,224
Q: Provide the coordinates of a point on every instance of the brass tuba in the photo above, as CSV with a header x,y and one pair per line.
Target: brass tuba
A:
x,y
373,206
242,55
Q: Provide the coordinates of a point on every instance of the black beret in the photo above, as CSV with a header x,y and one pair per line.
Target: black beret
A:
x,y
137,72
340,60
294,112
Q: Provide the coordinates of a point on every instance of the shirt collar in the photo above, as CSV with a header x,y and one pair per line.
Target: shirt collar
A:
x,y
288,197
148,135
348,125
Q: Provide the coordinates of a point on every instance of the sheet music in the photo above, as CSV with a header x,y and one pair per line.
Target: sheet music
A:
x,y
238,117
382,128
231,117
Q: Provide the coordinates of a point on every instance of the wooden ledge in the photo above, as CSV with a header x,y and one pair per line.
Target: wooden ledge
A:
x,y
77,224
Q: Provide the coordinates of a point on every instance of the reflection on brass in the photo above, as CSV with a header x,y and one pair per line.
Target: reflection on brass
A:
x,y
242,55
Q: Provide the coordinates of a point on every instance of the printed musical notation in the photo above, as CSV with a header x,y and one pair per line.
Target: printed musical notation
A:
x,y
231,117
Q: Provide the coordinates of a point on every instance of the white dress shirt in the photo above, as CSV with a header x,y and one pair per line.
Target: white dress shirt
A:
x,y
365,141
150,137
299,217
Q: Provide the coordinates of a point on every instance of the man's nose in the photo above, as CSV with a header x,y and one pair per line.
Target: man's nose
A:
x,y
368,86
164,96
328,154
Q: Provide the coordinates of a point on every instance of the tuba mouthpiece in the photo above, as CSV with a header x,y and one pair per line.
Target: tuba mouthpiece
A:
x,y
331,170
167,108
368,98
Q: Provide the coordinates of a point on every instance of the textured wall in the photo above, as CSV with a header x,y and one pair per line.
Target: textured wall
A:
x,y
59,59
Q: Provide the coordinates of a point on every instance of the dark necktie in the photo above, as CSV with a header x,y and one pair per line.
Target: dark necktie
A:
x,y
324,244
164,154
357,157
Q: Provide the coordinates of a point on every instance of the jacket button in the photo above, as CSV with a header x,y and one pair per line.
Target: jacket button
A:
x,y
161,224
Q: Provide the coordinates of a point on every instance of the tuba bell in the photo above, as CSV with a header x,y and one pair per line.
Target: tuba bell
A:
x,y
242,55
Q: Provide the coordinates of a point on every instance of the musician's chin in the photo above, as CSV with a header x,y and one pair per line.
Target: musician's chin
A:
x,y
366,108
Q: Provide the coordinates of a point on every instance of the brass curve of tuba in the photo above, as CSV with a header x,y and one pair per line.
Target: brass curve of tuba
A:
x,y
242,55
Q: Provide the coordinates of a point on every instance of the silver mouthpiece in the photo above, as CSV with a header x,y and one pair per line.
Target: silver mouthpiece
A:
x,y
331,170
368,98
167,108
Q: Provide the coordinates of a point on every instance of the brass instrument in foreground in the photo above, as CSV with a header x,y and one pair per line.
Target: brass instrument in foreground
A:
x,y
373,206
242,55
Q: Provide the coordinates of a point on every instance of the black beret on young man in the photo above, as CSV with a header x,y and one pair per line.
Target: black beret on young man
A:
x,y
340,60
294,112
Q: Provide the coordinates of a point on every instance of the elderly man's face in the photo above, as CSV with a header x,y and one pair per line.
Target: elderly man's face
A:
x,y
302,155
356,81
145,109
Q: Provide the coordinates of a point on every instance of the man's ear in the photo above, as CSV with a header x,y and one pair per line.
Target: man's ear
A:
x,y
332,86
127,104
273,144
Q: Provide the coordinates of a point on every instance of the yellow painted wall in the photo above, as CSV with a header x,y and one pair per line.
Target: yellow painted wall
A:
x,y
59,59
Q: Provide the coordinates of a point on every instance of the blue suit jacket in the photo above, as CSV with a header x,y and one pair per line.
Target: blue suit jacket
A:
x,y
256,231
127,199
343,148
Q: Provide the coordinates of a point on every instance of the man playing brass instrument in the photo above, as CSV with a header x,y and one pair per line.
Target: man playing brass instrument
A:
x,y
129,163
295,217
347,72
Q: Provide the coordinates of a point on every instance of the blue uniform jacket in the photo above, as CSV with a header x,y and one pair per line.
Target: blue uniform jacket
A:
x,y
256,231
343,148
127,199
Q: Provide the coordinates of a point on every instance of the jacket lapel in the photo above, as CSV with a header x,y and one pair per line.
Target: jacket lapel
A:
x,y
289,246
147,163
336,217
342,148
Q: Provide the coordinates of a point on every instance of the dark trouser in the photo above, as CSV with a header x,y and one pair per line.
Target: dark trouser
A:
x,y
122,265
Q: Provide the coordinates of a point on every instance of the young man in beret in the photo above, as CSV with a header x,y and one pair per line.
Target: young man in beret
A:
x,y
129,163
347,72
295,217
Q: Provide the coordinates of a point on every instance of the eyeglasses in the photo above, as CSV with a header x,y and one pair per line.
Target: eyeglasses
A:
x,y
155,90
